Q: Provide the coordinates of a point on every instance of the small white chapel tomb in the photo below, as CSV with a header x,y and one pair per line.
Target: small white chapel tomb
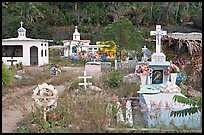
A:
x,y
29,51
76,45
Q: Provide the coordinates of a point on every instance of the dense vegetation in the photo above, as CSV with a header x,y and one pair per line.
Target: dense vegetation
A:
x,y
56,20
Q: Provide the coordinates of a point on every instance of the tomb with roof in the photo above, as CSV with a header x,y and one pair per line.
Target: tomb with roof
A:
x,y
27,51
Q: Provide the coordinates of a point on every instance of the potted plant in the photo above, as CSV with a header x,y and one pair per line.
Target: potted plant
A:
x,y
172,70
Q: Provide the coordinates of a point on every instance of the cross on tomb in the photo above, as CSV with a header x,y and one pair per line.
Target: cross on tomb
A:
x,y
12,60
159,33
21,23
85,80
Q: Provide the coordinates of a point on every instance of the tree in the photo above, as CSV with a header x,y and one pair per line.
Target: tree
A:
x,y
124,34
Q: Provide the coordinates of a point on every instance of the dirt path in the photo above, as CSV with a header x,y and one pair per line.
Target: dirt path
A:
x,y
18,102
14,106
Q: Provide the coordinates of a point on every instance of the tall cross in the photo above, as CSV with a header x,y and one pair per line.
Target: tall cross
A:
x,y
21,23
158,34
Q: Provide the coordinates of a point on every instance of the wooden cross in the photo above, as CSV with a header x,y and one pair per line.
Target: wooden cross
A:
x,y
85,80
158,34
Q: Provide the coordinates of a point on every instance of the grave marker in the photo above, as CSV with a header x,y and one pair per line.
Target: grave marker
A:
x,y
12,60
45,95
85,80
159,33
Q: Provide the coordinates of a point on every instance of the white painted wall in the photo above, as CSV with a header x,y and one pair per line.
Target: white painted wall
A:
x,y
26,51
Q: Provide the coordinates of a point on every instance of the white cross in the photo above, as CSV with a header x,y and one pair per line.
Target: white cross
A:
x,y
21,23
144,49
85,81
158,34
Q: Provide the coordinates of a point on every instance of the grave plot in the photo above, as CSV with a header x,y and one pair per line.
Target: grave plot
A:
x,y
156,99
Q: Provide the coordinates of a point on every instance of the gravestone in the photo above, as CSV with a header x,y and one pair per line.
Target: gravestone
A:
x,y
93,69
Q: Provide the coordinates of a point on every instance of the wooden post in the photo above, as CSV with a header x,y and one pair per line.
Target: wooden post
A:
x,y
116,65
44,113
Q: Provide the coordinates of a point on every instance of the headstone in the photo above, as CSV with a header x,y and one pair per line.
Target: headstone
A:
x,y
129,118
119,113
93,69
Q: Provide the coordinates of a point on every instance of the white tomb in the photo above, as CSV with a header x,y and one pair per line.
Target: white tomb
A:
x,y
29,51
156,108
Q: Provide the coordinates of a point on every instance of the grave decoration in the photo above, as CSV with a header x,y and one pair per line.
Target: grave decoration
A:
x,y
45,96
124,55
146,54
144,71
54,70
181,76
172,70
85,83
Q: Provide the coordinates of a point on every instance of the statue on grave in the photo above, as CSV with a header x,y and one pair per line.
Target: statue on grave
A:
x,y
146,54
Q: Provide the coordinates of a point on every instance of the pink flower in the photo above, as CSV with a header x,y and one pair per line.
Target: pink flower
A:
x,y
144,73
190,94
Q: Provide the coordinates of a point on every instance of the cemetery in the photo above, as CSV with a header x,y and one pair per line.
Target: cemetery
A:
x,y
103,87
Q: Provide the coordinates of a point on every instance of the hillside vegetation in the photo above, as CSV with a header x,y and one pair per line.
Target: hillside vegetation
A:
x,y
56,20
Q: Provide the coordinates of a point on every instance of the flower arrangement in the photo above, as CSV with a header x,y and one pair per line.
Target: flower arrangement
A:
x,y
143,69
171,69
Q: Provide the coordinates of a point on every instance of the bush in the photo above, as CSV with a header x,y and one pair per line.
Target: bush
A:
x,y
7,75
114,79
19,66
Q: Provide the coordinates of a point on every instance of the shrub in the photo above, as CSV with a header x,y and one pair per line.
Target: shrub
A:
x,y
19,66
7,75
114,79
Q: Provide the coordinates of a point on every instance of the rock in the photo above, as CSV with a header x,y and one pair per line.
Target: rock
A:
x,y
18,76
95,88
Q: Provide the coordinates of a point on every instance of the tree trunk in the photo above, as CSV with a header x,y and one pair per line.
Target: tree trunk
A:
x,y
177,11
